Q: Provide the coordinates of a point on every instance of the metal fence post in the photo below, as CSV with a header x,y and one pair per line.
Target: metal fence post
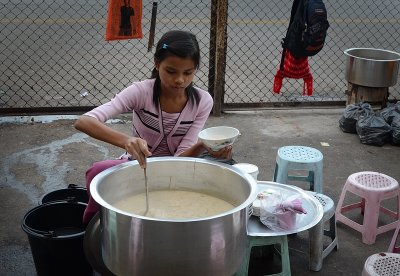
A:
x,y
221,13
211,54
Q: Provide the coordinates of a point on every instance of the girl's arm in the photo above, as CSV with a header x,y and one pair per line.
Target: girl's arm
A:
x,y
194,150
137,147
98,130
198,148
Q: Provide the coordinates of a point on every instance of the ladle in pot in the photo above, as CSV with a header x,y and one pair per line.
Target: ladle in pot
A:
x,y
147,187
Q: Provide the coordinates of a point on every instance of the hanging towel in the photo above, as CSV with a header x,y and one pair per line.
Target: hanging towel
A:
x,y
124,19
295,68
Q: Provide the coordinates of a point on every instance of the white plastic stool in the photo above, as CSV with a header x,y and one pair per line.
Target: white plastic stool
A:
x,y
316,234
316,250
373,188
300,158
382,264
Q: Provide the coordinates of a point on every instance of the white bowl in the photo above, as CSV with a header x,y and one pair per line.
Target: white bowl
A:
x,y
218,137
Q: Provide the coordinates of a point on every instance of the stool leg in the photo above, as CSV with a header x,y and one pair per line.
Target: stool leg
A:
x,y
316,246
282,173
340,202
332,234
332,229
319,180
398,206
370,222
392,246
275,172
362,207
311,180
244,269
285,257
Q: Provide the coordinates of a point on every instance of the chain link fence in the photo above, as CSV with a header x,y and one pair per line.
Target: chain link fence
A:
x,y
255,30
53,56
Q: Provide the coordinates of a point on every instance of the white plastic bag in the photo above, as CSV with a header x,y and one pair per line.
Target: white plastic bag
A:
x,y
278,212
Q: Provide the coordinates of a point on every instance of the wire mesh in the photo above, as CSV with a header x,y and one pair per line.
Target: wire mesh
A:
x,y
53,53
255,31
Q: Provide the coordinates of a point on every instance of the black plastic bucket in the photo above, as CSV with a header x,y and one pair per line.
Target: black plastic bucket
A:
x,y
72,193
55,231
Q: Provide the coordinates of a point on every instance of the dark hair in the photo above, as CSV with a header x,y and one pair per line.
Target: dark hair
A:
x,y
181,44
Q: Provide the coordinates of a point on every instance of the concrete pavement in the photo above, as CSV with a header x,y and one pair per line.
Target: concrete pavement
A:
x,y
41,155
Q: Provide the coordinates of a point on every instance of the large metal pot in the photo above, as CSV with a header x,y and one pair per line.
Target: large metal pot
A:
x,y
138,245
372,67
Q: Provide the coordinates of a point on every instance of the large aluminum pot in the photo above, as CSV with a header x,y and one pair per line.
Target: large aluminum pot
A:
x,y
372,67
137,245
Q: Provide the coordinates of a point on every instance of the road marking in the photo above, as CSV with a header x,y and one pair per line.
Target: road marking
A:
x,y
60,21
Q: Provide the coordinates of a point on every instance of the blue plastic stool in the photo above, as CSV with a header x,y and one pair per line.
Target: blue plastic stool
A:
x,y
261,241
300,158
257,236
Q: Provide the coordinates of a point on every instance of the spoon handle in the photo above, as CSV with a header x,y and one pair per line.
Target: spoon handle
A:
x,y
147,189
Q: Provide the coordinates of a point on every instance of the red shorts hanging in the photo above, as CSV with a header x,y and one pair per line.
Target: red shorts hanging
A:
x,y
295,68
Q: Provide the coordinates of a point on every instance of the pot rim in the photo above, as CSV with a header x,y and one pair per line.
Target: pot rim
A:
x,y
346,52
252,196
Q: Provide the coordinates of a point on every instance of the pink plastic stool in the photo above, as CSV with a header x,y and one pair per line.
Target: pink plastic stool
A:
x,y
373,188
393,247
382,264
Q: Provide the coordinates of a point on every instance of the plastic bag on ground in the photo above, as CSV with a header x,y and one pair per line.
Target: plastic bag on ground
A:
x,y
351,114
390,112
396,130
373,130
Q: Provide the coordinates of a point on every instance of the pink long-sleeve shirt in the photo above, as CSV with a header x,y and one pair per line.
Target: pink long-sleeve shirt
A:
x,y
147,119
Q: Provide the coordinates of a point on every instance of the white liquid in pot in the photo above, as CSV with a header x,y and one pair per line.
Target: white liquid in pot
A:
x,y
174,204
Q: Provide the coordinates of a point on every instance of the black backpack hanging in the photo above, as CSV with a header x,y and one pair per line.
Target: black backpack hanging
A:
x,y
307,28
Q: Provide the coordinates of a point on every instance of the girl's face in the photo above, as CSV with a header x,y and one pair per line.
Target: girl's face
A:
x,y
176,74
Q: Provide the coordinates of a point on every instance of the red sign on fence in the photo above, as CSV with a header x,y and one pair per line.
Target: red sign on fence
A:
x,y
124,19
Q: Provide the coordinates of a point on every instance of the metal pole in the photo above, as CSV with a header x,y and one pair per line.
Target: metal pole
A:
x,y
152,27
220,56
211,58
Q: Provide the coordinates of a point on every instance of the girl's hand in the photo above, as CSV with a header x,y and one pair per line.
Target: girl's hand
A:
x,y
137,147
223,154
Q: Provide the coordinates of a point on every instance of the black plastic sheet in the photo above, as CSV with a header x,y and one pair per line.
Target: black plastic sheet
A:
x,y
396,130
351,114
373,130
390,112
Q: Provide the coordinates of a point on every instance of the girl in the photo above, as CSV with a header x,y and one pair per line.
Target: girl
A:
x,y
168,111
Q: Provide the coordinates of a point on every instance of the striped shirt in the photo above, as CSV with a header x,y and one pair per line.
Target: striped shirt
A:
x,y
169,121
169,134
